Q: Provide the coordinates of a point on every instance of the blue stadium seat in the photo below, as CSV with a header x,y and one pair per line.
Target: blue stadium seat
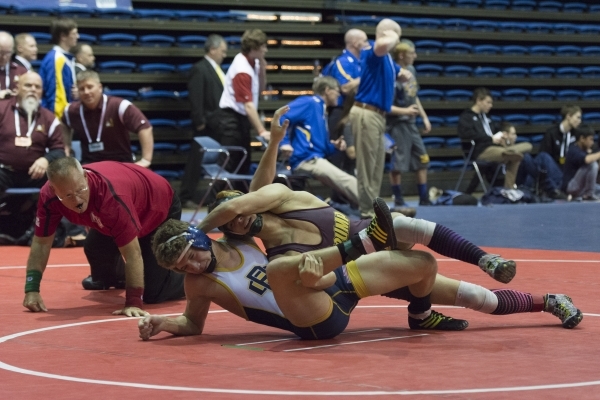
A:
x,y
225,67
184,123
542,95
167,174
545,119
468,3
486,72
594,8
367,20
437,165
163,123
522,139
591,95
115,13
428,46
4,8
517,119
123,93
523,5
156,40
182,94
593,51
435,121
41,37
453,142
457,24
34,11
85,38
496,4
157,67
457,47
194,41
402,21
427,23
511,26
590,72
451,121
536,138
76,12
514,50
458,95
456,165
514,72
116,66
185,147
539,27
551,6
542,72
496,94
159,94
458,71
568,95
565,28
117,39
165,147
484,26
568,72
568,50
226,16
515,94
184,67
36,64
433,142
433,3
589,29
233,42
591,117
430,94
197,16
161,15
486,49
574,7
429,69
542,50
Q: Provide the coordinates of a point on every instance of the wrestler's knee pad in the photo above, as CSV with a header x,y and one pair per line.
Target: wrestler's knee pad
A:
x,y
476,298
413,230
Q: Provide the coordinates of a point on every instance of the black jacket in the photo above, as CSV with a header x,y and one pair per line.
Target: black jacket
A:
x,y
205,89
552,142
470,127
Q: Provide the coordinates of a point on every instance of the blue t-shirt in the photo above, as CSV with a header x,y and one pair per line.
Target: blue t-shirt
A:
x,y
575,159
308,133
344,68
378,78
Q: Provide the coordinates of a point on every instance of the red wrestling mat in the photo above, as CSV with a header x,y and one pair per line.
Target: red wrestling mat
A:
x,y
78,350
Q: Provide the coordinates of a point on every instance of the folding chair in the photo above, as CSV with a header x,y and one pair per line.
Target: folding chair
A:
x,y
468,146
215,158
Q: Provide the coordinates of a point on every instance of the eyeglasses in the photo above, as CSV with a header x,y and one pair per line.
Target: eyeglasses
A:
x,y
71,197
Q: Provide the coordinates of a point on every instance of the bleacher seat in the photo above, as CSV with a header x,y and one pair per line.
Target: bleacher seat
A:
x,y
36,64
591,94
544,72
591,117
451,120
536,138
592,51
568,95
551,6
197,16
123,93
4,8
76,12
458,95
568,72
486,72
160,15
184,123
185,147
183,94
433,142
496,94
539,27
515,94
544,119
468,3
453,143
156,40
568,50
402,21
433,120
428,46
184,68
517,119
484,26
496,4
429,69
594,8
159,94
514,49
511,26
34,11
523,5
456,165
522,139
367,20
41,37
116,66
542,50
85,38
117,39
590,72
430,94
157,67
431,3
165,147
514,72
168,174
570,6
427,23
588,29
163,123
115,13
542,95
486,49
565,28
458,70
193,41
456,24
437,165
233,42
457,48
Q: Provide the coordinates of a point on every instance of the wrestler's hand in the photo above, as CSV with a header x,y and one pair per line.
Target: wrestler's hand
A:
x,y
150,325
38,168
33,301
310,270
277,129
131,312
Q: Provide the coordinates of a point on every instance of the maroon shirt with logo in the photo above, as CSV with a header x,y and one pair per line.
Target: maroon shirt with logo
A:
x,y
121,117
15,70
47,134
126,201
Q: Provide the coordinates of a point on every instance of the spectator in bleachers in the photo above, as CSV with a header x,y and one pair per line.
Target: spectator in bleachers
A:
x,y
474,124
205,89
409,153
103,123
581,166
26,131
372,102
84,57
9,69
27,50
58,67
244,81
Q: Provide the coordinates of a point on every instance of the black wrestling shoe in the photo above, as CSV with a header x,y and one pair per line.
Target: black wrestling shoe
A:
x,y
438,322
90,284
381,229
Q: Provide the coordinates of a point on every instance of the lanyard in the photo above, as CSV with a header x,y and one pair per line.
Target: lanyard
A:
x,y
7,79
100,125
18,125
486,125
564,146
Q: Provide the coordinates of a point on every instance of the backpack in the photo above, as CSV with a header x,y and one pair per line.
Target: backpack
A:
x,y
500,195
454,198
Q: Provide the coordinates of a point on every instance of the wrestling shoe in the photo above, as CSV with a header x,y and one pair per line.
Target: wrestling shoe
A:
x,y
562,306
90,284
381,229
438,322
498,268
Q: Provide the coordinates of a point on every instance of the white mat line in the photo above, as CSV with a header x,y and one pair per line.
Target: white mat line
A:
x,y
357,342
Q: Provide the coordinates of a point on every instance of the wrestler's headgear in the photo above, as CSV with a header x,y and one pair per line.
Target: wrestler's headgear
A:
x,y
199,240
255,228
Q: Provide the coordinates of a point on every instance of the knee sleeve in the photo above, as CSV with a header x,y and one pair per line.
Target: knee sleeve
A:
x,y
412,230
476,298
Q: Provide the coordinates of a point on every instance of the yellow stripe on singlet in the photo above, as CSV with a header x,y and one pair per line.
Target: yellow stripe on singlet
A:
x,y
341,228
357,280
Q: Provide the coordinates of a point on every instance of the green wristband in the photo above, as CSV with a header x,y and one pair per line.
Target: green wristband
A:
x,y
32,282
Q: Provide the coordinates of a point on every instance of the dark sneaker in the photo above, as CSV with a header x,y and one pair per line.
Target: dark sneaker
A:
x,y
90,284
557,194
562,306
498,268
381,229
438,322
425,202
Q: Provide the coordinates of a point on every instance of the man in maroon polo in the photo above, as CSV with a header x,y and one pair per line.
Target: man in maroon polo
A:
x,y
9,70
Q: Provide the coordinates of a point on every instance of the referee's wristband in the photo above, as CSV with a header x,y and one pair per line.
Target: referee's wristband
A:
x,y
32,281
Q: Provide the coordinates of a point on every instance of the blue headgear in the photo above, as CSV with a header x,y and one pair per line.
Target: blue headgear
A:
x,y
199,240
